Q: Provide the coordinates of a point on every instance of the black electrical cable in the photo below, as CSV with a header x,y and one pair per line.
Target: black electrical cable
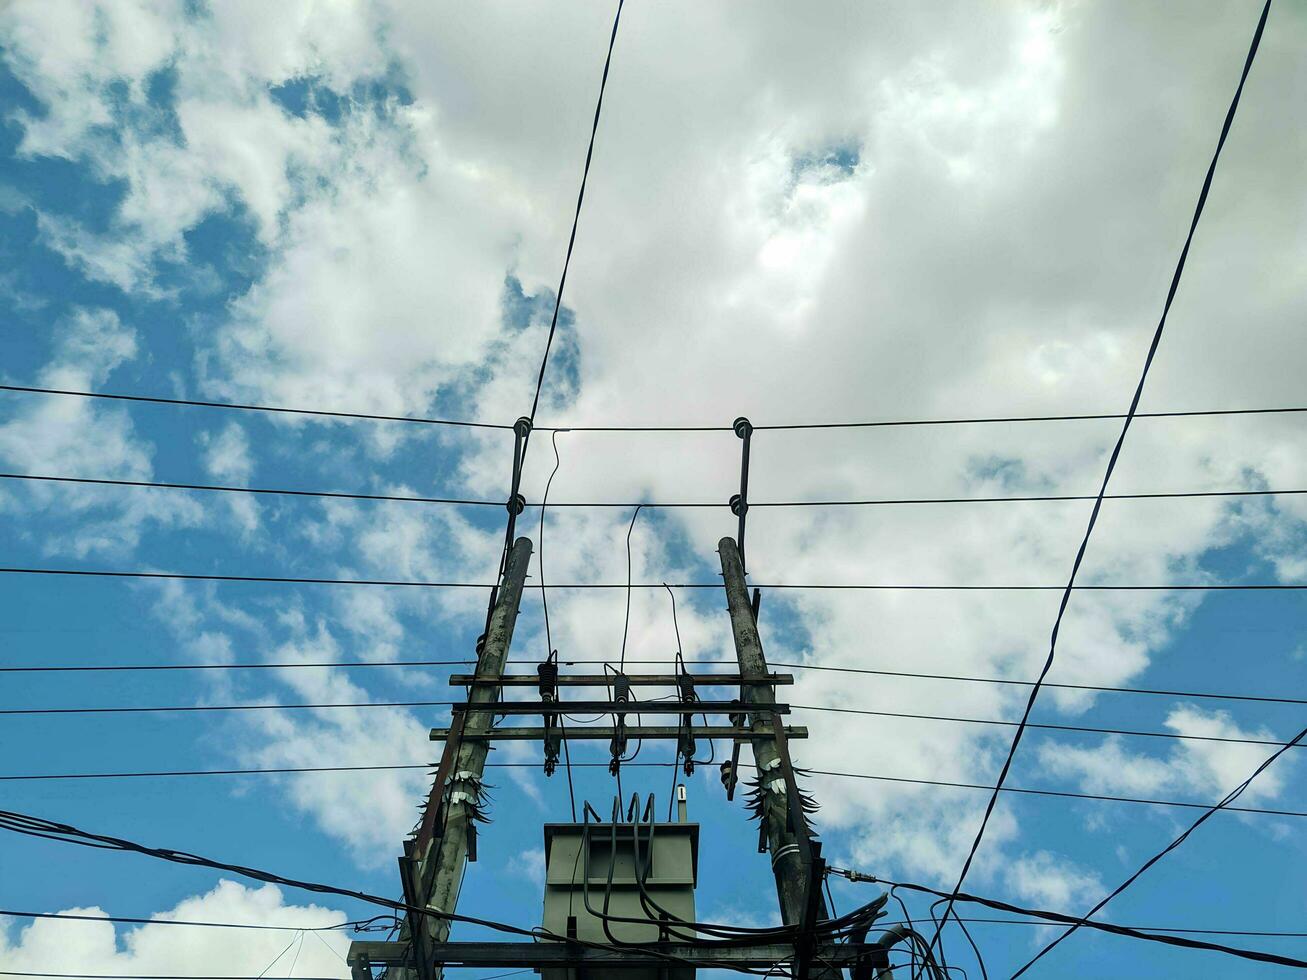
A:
x,y
540,553
707,678
359,925
1225,801
291,770
576,214
626,622
32,826
660,505
359,705
1043,726
866,424
1129,932
1116,454
610,586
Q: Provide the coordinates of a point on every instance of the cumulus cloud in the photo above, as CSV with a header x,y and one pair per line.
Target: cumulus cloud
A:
x,y
158,949
78,437
875,213
1205,770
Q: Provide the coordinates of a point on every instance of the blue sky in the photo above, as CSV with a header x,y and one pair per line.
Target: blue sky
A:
x,y
883,213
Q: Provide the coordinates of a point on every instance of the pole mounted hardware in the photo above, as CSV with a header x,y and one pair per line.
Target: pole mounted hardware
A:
x,y
617,745
740,502
547,674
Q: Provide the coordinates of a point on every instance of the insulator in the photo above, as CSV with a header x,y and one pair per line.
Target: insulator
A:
x,y
547,672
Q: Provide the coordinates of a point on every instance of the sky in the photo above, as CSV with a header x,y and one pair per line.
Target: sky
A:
x,y
875,211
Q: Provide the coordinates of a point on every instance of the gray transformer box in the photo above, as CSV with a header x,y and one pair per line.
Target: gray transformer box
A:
x,y
670,854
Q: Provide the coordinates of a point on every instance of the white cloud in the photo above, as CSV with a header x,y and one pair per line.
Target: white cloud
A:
x,y
1000,246
78,437
1199,770
1049,882
69,946
528,864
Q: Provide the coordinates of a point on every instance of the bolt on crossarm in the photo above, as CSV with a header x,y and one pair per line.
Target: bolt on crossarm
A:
x,y
781,808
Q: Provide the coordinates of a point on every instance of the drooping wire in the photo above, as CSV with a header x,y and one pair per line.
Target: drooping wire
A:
x,y
567,764
540,533
1116,453
626,622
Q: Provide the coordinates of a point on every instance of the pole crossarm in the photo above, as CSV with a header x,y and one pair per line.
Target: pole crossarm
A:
x,y
635,680
534,734
613,708
558,954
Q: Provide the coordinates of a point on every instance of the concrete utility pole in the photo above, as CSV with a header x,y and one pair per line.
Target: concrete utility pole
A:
x,y
446,842
786,854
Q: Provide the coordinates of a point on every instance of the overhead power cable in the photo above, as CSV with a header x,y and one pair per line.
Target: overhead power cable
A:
x,y
703,678
1224,803
1261,956
654,505
132,709
28,825
784,426
594,586
576,214
943,784
1111,466
38,827
356,924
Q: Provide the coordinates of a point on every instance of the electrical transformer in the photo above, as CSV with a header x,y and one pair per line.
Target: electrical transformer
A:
x,y
622,882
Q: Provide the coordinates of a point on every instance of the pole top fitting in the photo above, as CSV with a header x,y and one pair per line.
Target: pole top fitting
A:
x,y
481,644
743,427
738,506
522,427
516,504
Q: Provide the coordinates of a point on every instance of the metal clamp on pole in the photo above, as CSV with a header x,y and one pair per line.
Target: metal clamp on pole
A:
x,y
740,502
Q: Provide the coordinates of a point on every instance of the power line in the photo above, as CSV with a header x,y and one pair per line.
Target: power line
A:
x,y
139,976
1111,466
1224,803
704,678
236,406
131,920
785,426
355,705
1129,932
653,505
877,777
793,586
1047,726
1270,933
31,826
576,214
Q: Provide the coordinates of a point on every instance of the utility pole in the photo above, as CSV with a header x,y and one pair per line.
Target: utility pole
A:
x,y
447,833
797,871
